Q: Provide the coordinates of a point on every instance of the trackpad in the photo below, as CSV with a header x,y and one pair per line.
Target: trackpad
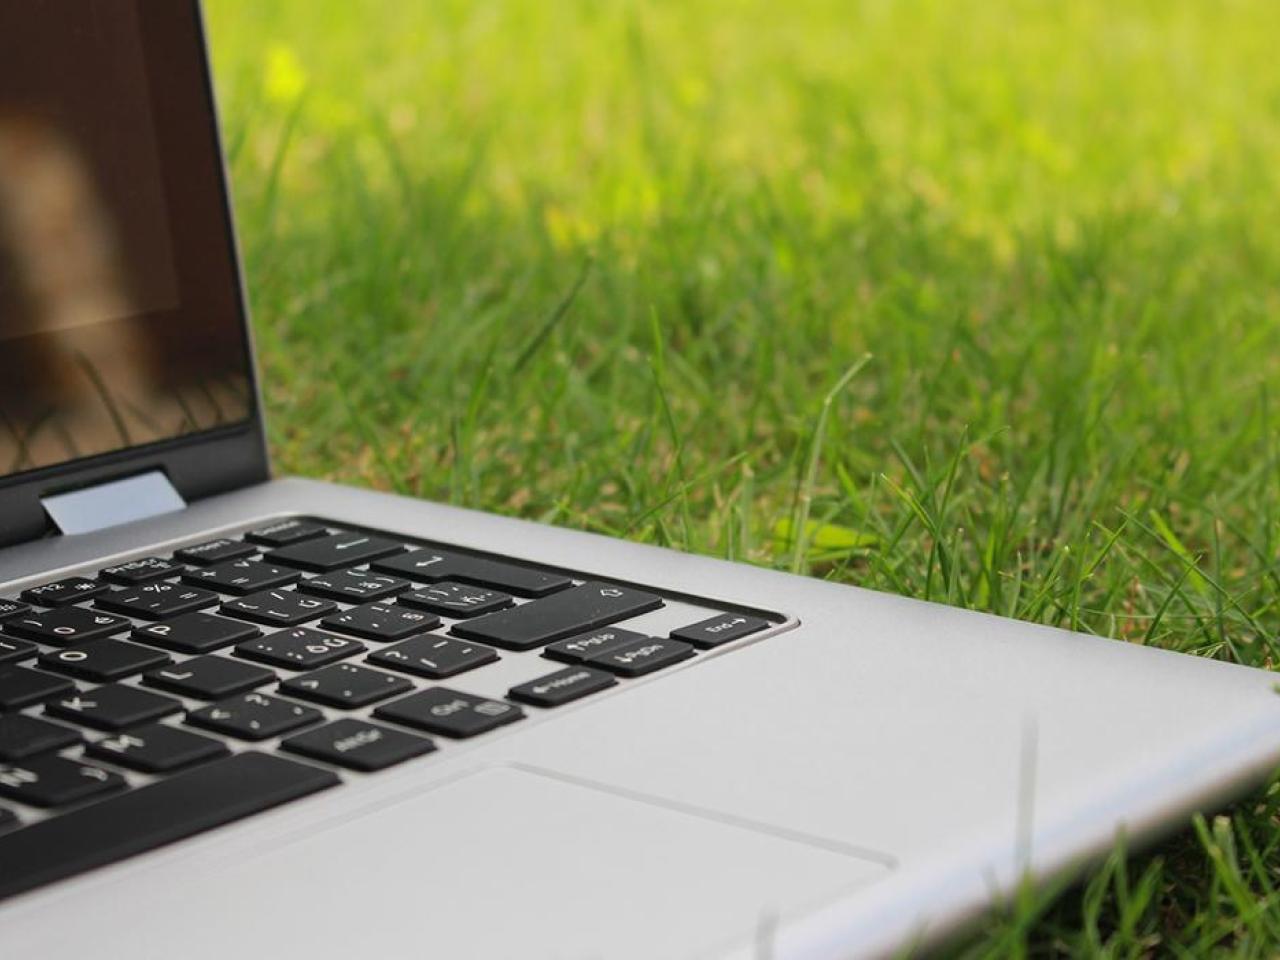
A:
x,y
510,861
570,870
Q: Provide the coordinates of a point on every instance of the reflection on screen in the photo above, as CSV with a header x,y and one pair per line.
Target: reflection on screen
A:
x,y
96,350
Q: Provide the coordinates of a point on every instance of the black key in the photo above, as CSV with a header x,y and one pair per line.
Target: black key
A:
x,y
156,748
556,617
103,660
284,532
158,600
381,621
242,576
22,736
208,677
353,586
433,656
432,566
66,625
719,629
345,685
11,651
8,819
133,572
278,608
460,600
639,657
449,713
11,608
61,592
300,648
576,649
112,707
254,716
215,551
561,687
336,550
130,823
53,781
20,687
358,744
195,633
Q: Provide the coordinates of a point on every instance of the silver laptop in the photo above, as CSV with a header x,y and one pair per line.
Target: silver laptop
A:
x,y
257,717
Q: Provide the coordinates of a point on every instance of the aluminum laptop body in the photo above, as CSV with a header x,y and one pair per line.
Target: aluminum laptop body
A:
x,y
723,761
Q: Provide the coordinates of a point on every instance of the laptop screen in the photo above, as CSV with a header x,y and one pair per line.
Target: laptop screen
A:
x,y
120,318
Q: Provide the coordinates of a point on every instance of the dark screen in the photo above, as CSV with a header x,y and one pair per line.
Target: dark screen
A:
x,y
120,320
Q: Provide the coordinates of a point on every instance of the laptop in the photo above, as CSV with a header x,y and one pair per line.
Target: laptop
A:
x,y
256,716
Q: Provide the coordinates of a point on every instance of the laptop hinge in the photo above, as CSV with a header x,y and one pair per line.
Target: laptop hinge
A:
x,y
113,503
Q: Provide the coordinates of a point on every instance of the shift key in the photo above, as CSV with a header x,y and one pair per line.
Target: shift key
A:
x,y
558,616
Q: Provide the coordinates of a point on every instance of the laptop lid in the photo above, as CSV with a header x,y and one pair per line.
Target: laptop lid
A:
x,y
124,343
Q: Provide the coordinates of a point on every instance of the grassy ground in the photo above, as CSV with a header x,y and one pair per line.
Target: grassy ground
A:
x,y
969,301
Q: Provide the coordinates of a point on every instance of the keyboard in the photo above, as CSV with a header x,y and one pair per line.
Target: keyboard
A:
x,y
157,697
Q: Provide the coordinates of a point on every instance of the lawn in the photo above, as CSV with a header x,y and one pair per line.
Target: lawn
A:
x,y
976,302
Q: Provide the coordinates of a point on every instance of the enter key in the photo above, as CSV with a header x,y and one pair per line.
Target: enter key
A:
x,y
594,604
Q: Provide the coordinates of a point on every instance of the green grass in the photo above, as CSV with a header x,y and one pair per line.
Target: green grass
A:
x,y
607,264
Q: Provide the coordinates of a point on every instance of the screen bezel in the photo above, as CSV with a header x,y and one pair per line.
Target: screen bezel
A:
x,y
197,464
